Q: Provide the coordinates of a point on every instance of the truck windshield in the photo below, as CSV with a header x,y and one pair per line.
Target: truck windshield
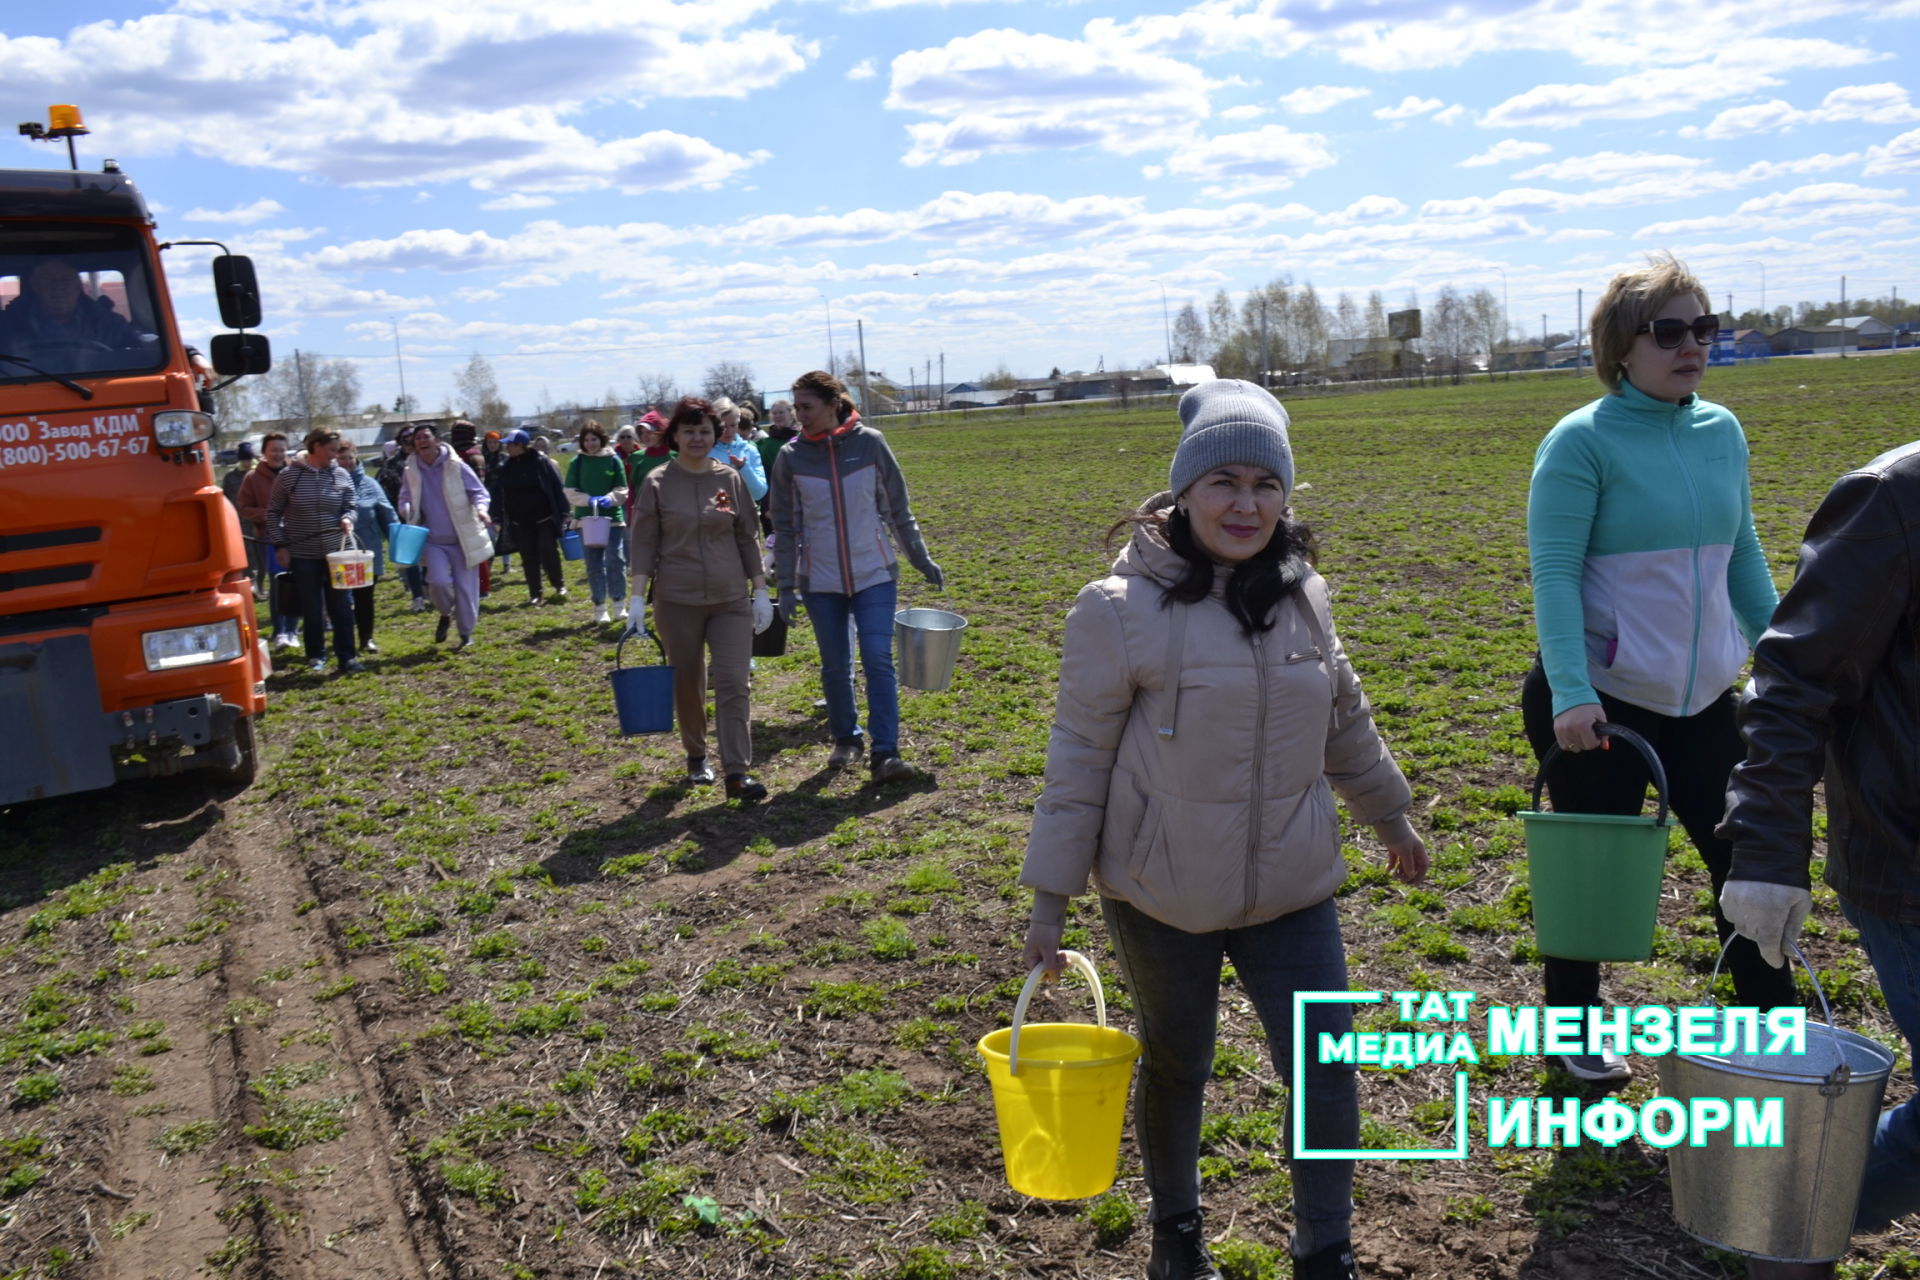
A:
x,y
76,301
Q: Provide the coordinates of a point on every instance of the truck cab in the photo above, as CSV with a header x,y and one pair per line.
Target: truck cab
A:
x,y
128,641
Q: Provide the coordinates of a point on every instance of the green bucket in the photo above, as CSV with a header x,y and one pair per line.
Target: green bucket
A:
x,y
1595,877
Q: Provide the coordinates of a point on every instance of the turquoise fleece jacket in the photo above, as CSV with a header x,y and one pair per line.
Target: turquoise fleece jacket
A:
x,y
1648,579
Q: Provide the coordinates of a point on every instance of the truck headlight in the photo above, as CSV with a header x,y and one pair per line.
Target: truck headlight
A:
x,y
191,646
178,428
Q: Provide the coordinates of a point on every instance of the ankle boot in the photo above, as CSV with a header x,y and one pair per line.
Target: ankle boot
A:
x,y
1180,1250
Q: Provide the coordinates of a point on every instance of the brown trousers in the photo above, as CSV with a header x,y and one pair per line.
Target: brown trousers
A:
x,y
687,631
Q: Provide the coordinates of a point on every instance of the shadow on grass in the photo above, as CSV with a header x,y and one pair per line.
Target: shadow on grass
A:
x,y
47,845
660,835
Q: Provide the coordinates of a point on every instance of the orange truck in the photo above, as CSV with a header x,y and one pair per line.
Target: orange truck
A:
x,y
128,641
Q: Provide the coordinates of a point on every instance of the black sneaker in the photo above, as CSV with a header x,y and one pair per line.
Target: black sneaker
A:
x,y
351,665
887,766
744,786
1335,1262
699,771
1180,1251
1595,1068
845,752
441,628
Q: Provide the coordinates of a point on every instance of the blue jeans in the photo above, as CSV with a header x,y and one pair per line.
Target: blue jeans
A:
x,y
1892,1185
1174,978
872,612
607,567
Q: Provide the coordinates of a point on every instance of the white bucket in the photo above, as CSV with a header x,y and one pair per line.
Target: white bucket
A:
x,y
595,530
350,568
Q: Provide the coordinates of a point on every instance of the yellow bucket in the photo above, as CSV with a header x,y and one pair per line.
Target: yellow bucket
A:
x,y
1060,1094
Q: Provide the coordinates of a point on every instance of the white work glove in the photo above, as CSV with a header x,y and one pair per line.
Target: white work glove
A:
x,y
1770,914
762,610
636,617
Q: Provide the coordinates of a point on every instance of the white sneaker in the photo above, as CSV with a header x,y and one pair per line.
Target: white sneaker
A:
x,y
600,614
622,615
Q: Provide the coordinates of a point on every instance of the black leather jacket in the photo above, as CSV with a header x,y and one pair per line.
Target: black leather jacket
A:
x,y
1838,681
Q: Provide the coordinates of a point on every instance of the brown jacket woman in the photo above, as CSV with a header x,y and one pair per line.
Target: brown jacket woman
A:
x,y
696,535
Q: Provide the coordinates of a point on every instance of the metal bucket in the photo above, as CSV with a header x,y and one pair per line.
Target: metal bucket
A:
x,y
928,644
1794,1202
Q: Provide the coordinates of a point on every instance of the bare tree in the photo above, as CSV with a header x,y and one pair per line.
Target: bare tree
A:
x,y
1219,327
728,378
657,389
1448,332
1348,322
1189,336
308,388
1486,322
999,379
479,395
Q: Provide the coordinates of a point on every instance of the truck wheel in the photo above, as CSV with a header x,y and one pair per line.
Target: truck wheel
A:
x,y
243,773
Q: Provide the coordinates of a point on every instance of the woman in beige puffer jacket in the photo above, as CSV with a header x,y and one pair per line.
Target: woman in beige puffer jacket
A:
x,y
1206,715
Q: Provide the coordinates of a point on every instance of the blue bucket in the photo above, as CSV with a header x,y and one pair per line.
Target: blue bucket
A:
x,y
409,540
570,545
643,696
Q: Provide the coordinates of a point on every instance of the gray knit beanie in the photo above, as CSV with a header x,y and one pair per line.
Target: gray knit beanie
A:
x,y
1228,422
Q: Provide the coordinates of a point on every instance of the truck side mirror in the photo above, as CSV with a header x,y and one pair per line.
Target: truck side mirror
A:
x,y
235,354
238,291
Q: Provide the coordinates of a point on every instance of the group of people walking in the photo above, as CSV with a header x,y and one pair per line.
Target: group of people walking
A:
x,y
1208,713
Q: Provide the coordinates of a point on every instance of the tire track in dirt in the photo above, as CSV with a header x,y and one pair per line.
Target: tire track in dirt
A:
x,y
308,1180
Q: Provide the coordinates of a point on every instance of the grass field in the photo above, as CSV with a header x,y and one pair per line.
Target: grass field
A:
x,y
468,985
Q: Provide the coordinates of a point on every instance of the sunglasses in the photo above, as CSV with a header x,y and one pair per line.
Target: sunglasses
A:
x,y
1669,334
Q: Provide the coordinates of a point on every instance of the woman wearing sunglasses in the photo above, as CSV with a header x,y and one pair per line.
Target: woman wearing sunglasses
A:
x,y
1649,589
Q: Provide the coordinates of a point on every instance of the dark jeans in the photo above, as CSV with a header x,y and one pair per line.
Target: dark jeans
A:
x,y
320,601
282,604
363,612
1892,1185
539,548
1174,978
1698,752
416,580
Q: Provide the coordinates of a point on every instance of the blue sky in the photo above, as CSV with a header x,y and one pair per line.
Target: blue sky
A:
x,y
588,193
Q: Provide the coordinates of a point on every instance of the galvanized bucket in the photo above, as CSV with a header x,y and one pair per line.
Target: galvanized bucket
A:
x,y
1794,1202
928,644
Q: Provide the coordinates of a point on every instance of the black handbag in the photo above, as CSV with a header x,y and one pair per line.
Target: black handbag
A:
x,y
772,643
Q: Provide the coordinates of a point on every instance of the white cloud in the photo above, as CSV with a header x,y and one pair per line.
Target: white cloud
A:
x,y
1409,107
518,200
1246,112
1640,96
1365,209
1321,97
1451,115
1615,166
1867,103
243,215
417,94
1237,164
1569,235
862,70
1004,90
1902,155
1816,194
1505,151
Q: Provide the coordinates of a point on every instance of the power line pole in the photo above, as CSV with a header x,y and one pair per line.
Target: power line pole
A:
x,y
401,367
866,396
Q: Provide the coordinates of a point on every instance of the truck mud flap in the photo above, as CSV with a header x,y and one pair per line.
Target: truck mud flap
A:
x,y
50,705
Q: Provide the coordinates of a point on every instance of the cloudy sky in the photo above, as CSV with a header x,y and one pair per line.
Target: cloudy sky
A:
x,y
588,191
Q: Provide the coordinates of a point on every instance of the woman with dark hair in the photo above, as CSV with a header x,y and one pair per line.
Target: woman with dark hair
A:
x,y
373,518
596,484
1206,715
1649,588
696,539
255,490
836,493
309,514
533,505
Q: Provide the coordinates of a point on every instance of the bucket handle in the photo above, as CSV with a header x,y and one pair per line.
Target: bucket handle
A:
x,y
1074,961
1837,1079
1628,736
348,542
628,635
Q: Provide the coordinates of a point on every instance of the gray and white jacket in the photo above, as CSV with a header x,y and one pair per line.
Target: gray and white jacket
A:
x,y
833,498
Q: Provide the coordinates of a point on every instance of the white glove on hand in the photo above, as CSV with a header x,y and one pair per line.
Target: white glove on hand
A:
x,y
1770,914
762,610
636,617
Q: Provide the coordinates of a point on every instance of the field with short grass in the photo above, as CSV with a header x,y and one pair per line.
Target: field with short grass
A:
x,y
468,985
